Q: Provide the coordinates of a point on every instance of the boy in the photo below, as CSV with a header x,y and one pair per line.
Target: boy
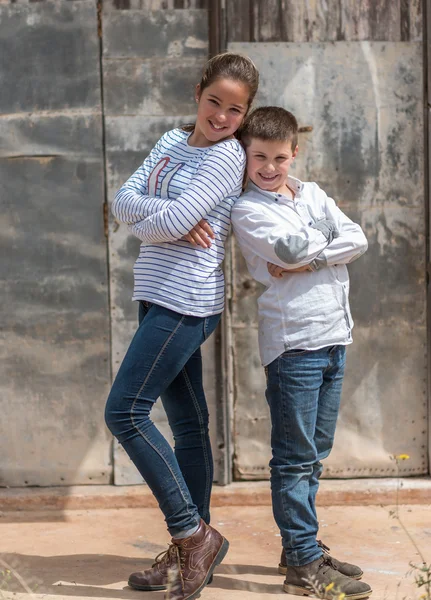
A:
x,y
297,243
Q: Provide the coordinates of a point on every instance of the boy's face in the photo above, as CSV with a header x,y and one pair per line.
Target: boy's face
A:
x,y
268,163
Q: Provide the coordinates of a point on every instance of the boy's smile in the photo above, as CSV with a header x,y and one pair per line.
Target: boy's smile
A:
x,y
268,163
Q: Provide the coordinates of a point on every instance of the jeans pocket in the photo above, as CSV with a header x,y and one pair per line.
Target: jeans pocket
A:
x,y
210,323
143,309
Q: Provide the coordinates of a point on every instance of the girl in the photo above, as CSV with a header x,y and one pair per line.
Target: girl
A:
x,y
178,203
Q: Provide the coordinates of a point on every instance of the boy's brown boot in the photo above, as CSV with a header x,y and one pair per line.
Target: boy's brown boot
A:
x,y
344,567
196,557
321,579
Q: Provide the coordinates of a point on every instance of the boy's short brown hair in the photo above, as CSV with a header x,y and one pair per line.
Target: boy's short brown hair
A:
x,y
270,123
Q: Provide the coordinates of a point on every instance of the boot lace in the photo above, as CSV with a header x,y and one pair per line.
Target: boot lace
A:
x,y
175,557
324,547
326,564
160,558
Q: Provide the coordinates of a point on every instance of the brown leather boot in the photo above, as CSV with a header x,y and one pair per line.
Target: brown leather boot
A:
x,y
156,578
344,567
196,557
320,578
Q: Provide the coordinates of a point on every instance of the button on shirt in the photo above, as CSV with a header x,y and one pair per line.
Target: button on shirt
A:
x,y
307,310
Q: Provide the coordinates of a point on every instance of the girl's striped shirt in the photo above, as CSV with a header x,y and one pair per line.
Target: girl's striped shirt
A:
x,y
175,187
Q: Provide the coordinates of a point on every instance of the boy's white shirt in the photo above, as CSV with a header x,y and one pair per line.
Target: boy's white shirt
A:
x,y
306,310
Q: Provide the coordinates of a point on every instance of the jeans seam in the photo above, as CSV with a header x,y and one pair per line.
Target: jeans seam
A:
x,y
285,511
158,357
203,437
156,449
293,557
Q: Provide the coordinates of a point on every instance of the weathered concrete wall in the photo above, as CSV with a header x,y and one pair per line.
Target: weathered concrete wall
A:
x,y
365,104
54,368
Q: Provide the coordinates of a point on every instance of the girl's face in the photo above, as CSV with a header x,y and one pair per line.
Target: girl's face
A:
x,y
221,109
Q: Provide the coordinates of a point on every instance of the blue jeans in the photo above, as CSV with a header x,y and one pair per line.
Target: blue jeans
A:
x,y
164,360
303,393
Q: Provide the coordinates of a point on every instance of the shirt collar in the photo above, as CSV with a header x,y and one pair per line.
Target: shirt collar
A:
x,y
294,183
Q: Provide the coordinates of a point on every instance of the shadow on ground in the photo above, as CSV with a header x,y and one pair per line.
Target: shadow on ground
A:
x,y
104,575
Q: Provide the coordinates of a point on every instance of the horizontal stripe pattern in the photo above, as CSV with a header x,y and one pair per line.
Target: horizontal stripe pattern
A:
x,y
175,187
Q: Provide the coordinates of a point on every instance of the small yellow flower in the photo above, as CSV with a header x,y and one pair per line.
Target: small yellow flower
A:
x,y
402,457
329,587
341,596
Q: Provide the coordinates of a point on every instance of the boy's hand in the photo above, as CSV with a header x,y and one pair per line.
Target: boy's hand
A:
x,y
200,235
277,271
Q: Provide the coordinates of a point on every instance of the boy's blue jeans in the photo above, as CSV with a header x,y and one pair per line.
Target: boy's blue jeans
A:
x,y
164,359
303,393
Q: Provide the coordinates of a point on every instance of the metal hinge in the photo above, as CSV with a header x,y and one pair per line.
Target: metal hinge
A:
x,y
105,219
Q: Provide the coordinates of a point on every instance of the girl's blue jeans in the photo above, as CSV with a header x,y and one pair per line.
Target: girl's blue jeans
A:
x,y
303,393
164,360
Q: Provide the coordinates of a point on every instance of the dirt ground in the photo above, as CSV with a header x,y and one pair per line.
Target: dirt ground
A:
x,y
90,553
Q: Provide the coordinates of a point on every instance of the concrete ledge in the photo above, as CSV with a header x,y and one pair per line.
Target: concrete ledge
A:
x,y
354,492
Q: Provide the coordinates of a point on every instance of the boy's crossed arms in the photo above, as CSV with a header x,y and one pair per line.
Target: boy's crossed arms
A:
x,y
322,236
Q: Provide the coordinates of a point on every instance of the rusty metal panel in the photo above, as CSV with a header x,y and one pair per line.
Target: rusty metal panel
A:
x,y
129,140
154,87
364,102
54,365
148,89
168,34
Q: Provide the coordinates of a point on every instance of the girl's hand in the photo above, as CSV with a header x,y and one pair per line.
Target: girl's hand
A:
x,y
277,271
200,235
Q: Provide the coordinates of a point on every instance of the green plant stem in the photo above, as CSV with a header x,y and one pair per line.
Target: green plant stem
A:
x,y
17,575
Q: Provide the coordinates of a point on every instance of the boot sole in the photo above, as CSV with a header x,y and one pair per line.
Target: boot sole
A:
x,y
217,560
301,591
283,570
156,588
147,588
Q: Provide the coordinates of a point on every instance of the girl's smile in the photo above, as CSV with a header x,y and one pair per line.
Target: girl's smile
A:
x,y
221,109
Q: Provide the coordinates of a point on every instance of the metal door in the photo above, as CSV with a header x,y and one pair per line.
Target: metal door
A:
x,y
364,103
